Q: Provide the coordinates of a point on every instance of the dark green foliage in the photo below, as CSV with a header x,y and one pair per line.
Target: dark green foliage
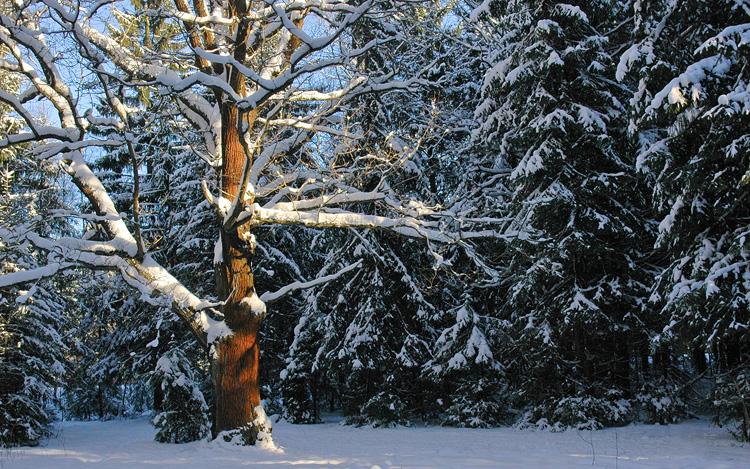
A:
x,y
465,368
573,273
583,412
298,403
183,416
603,146
384,409
691,117
31,365
661,402
354,348
731,400
478,402
32,348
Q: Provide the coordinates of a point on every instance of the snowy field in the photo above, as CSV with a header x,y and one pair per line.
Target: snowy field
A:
x,y
129,444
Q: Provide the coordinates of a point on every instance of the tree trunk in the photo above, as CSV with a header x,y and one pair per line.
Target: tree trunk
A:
x,y
663,360
622,363
235,371
644,353
158,398
235,363
699,359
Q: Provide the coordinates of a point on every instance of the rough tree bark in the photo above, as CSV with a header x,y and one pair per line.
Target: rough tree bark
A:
x,y
235,361
235,365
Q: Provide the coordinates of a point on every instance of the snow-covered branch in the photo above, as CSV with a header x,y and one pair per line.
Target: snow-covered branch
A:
x,y
269,297
288,84
407,226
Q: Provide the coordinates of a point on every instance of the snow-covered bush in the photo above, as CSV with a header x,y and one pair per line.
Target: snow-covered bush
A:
x,y
273,403
478,403
97,401
299,406
384,409
731,400
464,365
184,413
660,403
580,412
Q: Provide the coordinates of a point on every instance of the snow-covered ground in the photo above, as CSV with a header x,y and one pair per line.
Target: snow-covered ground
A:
x,y
129,444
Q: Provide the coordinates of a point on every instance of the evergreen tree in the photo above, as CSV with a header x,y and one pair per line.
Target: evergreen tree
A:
x,y
31,348
355,349
362,342
691,114
465,362
31,363
95,373
554,117
183,416
155,181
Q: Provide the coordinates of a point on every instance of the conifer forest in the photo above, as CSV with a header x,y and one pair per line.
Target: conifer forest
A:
x,y
234,219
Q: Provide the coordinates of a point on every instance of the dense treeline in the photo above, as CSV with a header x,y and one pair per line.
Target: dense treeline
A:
x,y
603,143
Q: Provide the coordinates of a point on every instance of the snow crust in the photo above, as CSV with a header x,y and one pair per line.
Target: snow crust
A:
x,y
129,444
262,422
256,305
215,330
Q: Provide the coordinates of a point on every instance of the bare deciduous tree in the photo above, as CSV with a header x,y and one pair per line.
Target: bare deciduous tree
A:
x,y
260,81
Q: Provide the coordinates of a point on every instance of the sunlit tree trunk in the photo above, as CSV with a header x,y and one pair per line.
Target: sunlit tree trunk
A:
x,y
235,360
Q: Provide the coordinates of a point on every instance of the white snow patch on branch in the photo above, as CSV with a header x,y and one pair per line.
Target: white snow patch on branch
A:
x,y
256,305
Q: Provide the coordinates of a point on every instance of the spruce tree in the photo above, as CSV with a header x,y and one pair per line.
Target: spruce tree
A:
x,y
31,346
183,416
465,362
555,118
691,117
